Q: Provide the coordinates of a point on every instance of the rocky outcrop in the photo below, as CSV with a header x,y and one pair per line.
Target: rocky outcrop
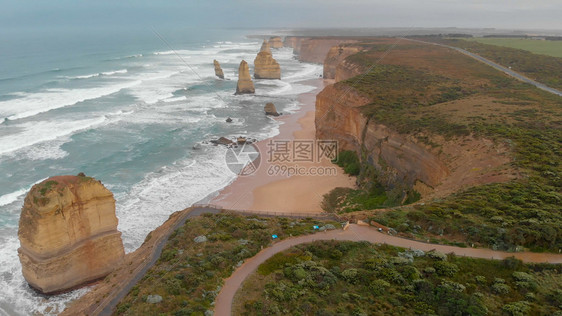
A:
x,y
218,70
245,84
68,233
265,67
275,42
313,50
398,158
270,109
336,55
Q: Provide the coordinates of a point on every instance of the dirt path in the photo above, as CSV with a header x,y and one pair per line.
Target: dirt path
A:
x,y
223,302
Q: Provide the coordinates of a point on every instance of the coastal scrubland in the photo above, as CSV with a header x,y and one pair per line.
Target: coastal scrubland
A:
x,y
439,97
200,254
358,278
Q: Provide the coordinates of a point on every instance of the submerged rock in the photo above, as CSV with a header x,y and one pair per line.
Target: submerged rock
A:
x,y
265,67
222,141
218,69
68,233
245,84
270,109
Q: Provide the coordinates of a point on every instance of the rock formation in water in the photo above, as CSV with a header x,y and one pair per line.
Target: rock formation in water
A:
x,y
265,67
275,42
245,84
68,233
218,69
270,109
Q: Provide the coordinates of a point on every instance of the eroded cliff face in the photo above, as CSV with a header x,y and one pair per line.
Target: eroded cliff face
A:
x,y
275,42
313,50
245,84
399,159
335,56
68,233
265,66
218,70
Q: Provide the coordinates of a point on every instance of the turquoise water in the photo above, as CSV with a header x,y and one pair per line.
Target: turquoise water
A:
x,y
125,108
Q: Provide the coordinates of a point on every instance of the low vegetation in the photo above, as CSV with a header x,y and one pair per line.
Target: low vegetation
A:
x,y
544,47
542,68
199,255
347,278
415,101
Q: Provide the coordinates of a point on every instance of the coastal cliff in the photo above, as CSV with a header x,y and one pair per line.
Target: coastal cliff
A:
x,y
334,68
398,158
265,66
275,42
313,50
68,233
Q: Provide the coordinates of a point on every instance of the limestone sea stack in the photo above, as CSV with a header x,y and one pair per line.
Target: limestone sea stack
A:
x,y
275,42
245,84
218,69
265,67
270,109
68,233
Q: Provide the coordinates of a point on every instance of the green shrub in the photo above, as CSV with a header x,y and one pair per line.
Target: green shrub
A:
x,y
500,288
444,268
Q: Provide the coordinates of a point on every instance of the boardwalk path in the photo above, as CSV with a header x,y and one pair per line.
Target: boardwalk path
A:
x,y
223,302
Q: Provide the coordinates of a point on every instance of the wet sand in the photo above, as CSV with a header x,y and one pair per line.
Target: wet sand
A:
x,y
271,189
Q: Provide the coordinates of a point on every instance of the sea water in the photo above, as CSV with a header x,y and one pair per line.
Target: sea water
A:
x,y
127,109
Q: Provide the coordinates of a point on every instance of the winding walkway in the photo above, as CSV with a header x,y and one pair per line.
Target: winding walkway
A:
x,y
223,302
499,67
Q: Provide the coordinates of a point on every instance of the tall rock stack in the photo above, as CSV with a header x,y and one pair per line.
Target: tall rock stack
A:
x,y
218,69
265,67
275,42
245,84
68,233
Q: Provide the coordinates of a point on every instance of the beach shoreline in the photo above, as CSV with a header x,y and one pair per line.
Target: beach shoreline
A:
x,y
271,188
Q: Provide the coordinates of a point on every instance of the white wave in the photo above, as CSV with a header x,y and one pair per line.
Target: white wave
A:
x,y
10,198
31,133
150,202
50,99
16,297
107,73
174,99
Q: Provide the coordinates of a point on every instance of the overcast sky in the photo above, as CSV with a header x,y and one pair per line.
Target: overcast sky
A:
x,y
510,14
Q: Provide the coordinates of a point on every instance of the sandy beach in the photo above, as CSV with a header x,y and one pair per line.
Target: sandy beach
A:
x,y
271,187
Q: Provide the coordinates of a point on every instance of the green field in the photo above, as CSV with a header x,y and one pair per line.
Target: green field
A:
x,y
550,48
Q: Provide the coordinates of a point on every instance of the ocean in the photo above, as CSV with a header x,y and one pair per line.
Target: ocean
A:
x,y
125,108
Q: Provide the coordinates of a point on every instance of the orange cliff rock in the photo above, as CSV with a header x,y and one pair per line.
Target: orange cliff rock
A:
x,y
218,70
275,42
68,233
335,66
245,84
314,49
265,67
338,117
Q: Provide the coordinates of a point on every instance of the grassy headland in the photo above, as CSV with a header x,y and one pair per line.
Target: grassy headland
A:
x,y
438,96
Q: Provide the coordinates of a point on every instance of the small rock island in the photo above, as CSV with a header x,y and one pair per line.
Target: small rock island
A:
x,y
68,233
